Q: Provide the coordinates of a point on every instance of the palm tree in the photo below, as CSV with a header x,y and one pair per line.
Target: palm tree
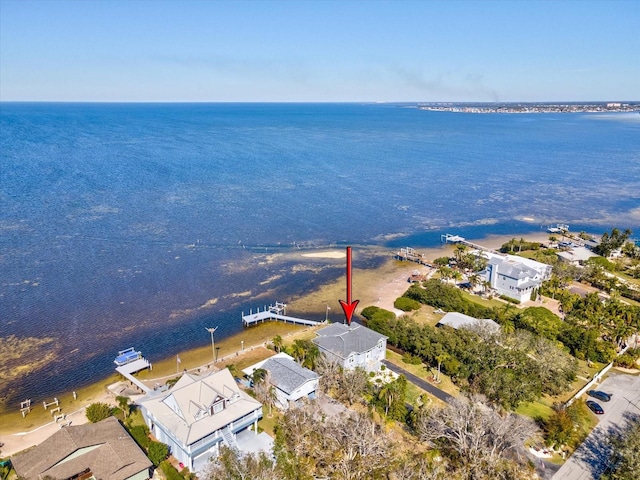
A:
x,y
520,243
258,376
298,351
265,391
508,327
459,251
277,343
123,403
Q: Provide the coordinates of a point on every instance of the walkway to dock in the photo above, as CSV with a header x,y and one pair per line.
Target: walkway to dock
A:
x,y
449,238
274,312
129,369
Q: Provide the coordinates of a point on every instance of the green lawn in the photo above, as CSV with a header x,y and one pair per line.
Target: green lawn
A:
x,y
423,371
535,410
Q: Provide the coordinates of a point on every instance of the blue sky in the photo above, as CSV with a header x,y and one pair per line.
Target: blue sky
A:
x,y
319,51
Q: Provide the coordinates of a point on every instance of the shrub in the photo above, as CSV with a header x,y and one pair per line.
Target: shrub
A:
x,y
170,472
376,313
510,300
626,361
158,451
406,304
98,411
140,434
411,359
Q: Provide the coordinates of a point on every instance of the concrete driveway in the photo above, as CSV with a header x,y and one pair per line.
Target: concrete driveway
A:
x,y
589,460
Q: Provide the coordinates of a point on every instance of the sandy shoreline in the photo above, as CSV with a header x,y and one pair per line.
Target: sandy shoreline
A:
x,y
380,287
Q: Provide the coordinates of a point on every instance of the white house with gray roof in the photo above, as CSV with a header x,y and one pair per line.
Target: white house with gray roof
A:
x,y
514,277
292,382
352,346
199,413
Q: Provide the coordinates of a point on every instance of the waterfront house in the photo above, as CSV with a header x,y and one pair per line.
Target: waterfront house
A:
x,y
458,320
576,256
514,277
352,346
292,382
101,450
198,414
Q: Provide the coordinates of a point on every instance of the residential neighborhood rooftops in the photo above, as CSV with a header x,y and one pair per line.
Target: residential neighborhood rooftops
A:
x,y
344,340
104,447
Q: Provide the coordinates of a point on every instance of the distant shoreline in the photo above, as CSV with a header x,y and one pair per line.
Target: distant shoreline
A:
x,y
592,107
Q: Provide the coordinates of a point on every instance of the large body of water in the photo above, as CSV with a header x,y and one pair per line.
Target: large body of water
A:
x,y
139,224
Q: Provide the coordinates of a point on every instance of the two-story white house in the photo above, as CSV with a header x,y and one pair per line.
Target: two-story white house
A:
x,y
292,382
514,277
352,346
198,413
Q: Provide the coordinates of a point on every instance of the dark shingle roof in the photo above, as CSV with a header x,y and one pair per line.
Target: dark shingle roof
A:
x,y
104,447
343,340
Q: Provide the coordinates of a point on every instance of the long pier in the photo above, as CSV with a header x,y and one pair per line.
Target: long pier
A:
x,y
274,312
449,238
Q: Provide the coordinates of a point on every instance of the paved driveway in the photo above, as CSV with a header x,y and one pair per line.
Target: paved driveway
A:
x,y
423,384
589,460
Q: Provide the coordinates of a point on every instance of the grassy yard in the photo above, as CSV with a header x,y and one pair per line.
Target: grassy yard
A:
x,y
425,315
424,372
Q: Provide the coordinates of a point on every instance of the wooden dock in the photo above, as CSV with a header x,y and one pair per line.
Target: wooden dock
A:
x,y
274,312
130,368
409,254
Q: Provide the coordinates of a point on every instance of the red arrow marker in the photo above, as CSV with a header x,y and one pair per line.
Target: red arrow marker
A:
x,y
349,306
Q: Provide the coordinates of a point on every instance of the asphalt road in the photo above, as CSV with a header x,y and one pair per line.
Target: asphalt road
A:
x,y
589,460
423,384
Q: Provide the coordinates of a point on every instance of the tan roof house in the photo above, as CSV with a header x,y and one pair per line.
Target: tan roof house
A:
x,y
199,413
102,450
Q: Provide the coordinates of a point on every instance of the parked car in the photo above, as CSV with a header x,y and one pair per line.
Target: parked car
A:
x,y
602,396
595,407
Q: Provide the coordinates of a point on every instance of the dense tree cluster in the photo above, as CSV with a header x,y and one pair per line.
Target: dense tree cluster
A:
x,y
508,368
625,458
518,246
479,437
612,241
592,328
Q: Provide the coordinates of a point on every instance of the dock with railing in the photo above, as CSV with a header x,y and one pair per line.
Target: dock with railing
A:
x,y
275,312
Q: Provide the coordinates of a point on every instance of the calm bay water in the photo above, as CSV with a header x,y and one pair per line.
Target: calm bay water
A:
x,y
138,224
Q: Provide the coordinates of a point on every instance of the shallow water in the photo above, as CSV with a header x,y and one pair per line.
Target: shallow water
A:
x,y
125,224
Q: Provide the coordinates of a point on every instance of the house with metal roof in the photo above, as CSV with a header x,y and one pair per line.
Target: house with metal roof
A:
x,y
102,450
352,346
514,277
199,413
576,255
292,382
458,320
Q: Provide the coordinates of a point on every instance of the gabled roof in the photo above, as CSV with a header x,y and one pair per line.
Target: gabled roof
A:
x,y
185,411
513,269
460,320
287,375
343,340
104,447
